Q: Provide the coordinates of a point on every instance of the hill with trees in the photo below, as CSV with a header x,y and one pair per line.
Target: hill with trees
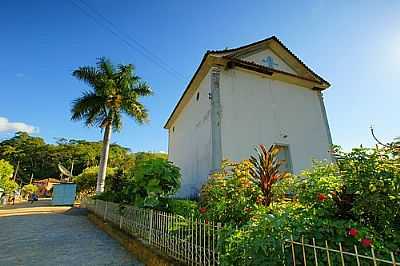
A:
x,y
31,156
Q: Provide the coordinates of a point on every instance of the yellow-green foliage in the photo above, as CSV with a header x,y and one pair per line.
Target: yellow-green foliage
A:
x,y
6,183
87,180
29,189
230,195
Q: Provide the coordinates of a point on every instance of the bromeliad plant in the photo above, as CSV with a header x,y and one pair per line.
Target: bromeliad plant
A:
x,y
265,170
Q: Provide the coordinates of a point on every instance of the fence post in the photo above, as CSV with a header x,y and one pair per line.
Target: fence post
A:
x,y
151,225
105,212
218,232
120,221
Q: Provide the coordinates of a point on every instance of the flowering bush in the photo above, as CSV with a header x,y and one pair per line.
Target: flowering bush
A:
x,y
230,195
372,185
354,202
260,241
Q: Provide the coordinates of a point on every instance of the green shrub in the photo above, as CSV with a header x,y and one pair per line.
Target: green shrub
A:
x,y
186,208
354,202
319,188
260,241
86,182
151,182
372,186
230,195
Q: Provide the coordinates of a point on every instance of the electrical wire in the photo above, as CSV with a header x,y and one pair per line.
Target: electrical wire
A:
x,y
137,46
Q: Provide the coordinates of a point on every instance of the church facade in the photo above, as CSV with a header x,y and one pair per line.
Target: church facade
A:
x,y
259,93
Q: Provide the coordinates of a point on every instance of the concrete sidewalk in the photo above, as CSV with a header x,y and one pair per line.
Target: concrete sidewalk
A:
x,y
52,235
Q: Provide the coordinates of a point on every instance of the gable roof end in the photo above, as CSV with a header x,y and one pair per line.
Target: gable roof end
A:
x,y
231,57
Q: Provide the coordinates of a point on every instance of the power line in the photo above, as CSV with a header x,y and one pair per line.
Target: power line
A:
x,y
137,46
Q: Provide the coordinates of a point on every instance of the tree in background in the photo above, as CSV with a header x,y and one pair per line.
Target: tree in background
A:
x,y
7,184
86,181
33,156
114,90
29,189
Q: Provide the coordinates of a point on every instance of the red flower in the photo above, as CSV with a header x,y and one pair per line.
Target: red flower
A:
x,y
366,242
206,221
352,232
203,210
322,197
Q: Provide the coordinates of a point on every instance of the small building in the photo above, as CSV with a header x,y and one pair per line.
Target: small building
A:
x,y
260,93
64,194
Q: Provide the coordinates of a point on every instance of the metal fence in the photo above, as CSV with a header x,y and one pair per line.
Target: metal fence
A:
x,y
188,240
308,253
194,242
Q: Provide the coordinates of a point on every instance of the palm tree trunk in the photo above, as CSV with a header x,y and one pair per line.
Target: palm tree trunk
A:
x,y
101,177
16,171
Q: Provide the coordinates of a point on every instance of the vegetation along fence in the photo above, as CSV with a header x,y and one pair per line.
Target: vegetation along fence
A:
x,y
190,241
194,242
304,253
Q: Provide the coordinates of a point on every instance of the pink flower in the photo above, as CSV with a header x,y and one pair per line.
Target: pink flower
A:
x,y
352,232
367,243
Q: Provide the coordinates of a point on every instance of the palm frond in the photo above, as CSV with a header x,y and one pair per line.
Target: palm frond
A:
x,y
117,121
89,107
136,110
87,74
105,66
115,90
142,89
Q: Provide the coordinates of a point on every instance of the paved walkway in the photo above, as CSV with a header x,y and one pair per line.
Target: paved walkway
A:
x,y
46,235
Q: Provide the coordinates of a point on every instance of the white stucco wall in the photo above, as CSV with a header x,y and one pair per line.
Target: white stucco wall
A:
x,y
260,56
257,110
190,143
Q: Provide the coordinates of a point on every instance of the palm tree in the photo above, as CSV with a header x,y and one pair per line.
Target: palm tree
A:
x,y
114,91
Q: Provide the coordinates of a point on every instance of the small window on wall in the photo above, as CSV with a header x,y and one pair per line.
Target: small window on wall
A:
x,y
284,156
197,96
173,129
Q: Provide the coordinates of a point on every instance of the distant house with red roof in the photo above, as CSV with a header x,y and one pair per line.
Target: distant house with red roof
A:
x,y
45,186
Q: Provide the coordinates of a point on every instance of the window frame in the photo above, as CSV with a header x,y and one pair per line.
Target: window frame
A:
x,y
289,160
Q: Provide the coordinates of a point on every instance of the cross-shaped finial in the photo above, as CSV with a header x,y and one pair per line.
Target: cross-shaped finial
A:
x,y
269,61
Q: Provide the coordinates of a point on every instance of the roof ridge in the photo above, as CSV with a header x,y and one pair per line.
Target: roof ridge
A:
x,y
273,37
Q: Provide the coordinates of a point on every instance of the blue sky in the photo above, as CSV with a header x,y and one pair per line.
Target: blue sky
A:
x,y
353,44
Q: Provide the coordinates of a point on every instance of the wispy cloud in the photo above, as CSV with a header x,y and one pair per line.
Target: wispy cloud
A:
x,y
7,126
